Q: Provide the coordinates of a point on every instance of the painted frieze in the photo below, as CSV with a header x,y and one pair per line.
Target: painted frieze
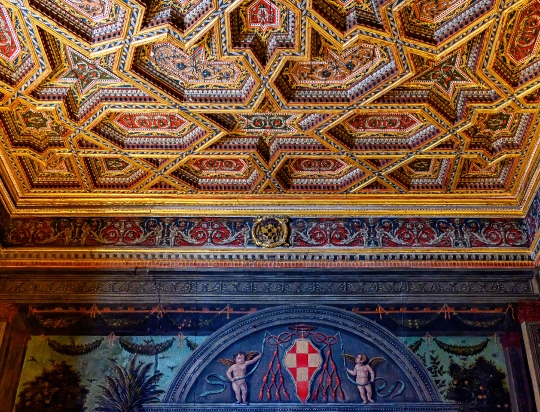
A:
x,y
365,233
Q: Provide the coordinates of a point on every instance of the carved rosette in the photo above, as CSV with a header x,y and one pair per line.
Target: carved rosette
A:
x,y
270,231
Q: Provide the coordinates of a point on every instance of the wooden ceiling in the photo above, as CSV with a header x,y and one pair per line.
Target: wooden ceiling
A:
x,y
229,107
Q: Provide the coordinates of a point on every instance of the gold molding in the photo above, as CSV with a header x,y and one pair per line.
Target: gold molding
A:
x,y
270,231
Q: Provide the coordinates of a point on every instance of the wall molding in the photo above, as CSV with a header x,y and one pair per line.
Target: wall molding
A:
x,y
262,287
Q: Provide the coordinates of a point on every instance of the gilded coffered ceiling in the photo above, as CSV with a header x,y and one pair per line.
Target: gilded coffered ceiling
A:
x,y
317,106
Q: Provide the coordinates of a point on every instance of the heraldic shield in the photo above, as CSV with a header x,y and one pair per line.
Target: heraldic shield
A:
x,y
302,358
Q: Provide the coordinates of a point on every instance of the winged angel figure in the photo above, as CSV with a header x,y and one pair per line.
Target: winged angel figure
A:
x,y
365,375
237,373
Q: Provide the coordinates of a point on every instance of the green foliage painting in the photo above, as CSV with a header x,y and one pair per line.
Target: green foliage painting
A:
x,y
57,389
102,365
479,387
129,388
466,369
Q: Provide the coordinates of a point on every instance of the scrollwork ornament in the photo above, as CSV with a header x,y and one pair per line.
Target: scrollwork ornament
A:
x,y
270,231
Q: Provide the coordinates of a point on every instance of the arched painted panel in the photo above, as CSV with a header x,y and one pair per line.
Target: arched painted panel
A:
x,y
302,358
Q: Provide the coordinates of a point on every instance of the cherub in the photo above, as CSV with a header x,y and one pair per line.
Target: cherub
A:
x,y
237,373
365,375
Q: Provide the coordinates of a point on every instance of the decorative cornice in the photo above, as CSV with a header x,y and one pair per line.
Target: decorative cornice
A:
x,y
257,287
313,241
257,258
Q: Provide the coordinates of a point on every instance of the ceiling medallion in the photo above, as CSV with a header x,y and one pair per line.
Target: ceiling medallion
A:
x,y
270,231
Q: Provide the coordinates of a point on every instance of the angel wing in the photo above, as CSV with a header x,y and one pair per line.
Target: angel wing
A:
x,y
251,355
349,358
376,361
226,362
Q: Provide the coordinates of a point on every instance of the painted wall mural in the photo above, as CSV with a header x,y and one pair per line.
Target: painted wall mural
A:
x,y
74,373
467,369
307,358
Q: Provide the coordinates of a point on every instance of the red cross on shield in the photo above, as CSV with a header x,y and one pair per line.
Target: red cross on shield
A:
x,y
302,360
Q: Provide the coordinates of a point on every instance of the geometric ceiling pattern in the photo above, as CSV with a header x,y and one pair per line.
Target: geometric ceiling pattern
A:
x,y
249,104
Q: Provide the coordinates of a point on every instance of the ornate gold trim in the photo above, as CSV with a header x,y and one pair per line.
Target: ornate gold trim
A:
x,y
270,231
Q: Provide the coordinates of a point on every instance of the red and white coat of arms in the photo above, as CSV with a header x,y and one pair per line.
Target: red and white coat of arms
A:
x,y
302,360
